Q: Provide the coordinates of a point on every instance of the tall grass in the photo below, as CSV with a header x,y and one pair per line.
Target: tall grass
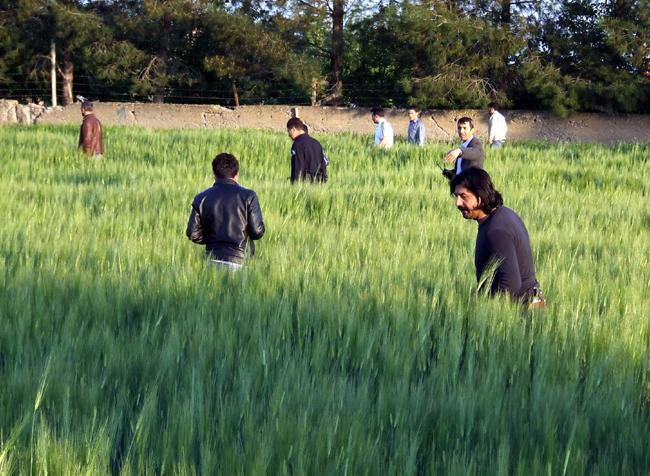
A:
x,y
353,343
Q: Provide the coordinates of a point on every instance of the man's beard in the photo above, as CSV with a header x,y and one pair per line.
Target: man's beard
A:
x,y
467,212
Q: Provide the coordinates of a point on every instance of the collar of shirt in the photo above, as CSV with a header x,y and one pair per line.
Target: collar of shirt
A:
x,y
466,143
225,180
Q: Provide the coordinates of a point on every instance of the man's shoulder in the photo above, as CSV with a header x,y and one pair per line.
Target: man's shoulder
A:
x,y
475,142
249,192
225,188
311,139
305,140
504,218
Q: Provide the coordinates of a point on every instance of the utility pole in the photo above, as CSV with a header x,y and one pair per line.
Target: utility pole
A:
x,y
53,71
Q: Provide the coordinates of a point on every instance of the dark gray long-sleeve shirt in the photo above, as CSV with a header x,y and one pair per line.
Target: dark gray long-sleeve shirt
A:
x,y
308,160
503,237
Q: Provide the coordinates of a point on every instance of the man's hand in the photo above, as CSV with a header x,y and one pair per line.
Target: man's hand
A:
x,y
452,155
448,174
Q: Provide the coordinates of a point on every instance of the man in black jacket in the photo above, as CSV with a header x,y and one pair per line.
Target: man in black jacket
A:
x,y
502,242
308,161
226,216
469,154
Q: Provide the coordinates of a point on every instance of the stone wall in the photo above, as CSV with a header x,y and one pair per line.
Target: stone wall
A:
x,y
12,112
440,124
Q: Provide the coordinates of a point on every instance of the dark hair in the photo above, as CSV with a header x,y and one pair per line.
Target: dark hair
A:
x,y
377,111
494,106
480,184
86,106
225,165
296,123
465,120
414,108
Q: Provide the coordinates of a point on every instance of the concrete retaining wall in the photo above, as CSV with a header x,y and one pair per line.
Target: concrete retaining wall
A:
x,y
440,124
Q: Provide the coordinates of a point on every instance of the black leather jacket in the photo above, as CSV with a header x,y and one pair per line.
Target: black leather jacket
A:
x,y
223,218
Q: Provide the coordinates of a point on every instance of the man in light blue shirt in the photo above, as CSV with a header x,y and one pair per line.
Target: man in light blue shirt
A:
x,y
416,132
384,135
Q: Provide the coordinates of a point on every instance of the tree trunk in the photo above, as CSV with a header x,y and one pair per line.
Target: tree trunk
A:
x,y
162,61
619,8
335,79
53,72
235,94
505,16
314,91
67,74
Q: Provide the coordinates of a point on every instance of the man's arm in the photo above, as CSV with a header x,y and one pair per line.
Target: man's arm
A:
x,y
386,135
421,134
194,227
85,136
297,163
382,142
474,153
506,277
255,226
323,168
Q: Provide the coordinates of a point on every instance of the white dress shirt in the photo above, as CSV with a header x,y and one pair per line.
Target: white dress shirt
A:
x,y
497,127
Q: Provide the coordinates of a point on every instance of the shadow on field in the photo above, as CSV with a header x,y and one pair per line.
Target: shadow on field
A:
x,y
274,372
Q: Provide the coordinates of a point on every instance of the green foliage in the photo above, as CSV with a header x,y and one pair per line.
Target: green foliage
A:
x,y
261,62
594,55
353,342
544,85
432,56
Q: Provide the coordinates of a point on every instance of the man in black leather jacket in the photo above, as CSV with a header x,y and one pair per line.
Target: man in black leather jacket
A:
x,y
225,216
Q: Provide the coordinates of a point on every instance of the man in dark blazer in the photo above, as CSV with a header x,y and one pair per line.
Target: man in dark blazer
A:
x,y
469,154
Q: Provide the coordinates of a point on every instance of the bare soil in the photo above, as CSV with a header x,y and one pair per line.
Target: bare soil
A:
x,y
440,125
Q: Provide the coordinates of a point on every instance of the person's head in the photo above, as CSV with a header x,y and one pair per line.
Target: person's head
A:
x,y
225,166
377,114
465,127
493,107
86,107
295,127
475,194
414,113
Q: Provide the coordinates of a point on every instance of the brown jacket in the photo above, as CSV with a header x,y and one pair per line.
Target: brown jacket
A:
x,y
90,136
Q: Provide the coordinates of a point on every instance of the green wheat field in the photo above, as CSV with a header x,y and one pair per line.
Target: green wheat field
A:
x,y
354,342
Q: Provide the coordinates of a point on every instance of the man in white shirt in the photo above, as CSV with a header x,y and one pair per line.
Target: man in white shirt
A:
x,y
384,135
497,127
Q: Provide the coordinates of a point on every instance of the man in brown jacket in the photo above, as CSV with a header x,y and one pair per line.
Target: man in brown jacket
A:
x,y
90,136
